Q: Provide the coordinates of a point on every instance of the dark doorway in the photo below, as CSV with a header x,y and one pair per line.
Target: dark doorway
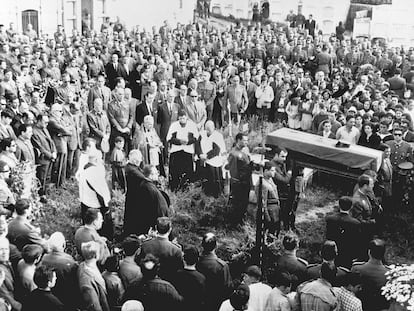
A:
x,y
30,17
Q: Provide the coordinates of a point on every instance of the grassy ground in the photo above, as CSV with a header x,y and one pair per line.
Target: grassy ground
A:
x,y
195,214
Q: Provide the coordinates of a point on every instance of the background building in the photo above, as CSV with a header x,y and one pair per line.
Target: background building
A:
x,y
327,13
45,15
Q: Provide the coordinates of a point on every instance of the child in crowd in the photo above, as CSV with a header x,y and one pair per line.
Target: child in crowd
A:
x,y
118,162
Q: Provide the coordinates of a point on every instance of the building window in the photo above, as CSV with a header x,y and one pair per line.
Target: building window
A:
x,y
181,4
30,17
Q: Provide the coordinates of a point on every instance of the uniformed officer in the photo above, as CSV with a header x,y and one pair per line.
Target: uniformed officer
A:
x,y
329,252
207,91
270,198
401,151
290,262
373,277
362,210
240,168
217,273
282,180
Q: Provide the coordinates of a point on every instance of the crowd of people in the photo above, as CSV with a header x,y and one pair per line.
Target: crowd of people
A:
x,y
151,104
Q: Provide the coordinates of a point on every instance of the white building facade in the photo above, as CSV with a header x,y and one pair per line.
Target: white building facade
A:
x,y
327,13
45,15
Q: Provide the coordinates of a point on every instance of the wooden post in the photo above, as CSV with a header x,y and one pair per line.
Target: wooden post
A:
x,y
260,223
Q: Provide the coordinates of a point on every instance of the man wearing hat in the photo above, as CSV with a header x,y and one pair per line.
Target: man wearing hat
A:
x,y
401,159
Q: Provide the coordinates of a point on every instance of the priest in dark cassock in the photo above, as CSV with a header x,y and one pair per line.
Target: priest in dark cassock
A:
x,y
156,204
134,177
210,151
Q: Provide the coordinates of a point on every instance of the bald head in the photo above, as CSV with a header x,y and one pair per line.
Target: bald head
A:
x,y
132,305
98,104
135,157
57,242
209,127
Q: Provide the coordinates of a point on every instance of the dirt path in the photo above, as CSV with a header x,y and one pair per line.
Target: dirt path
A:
x,y
313,213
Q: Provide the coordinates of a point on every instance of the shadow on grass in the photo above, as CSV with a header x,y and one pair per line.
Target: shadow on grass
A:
x,y
194,214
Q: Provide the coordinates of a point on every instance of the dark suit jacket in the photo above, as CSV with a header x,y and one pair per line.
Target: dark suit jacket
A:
x,y
44,300
59,134
21,233
409,137
310,25
25,151
169,254
93,292
140,112
165,117
112,74
98,126
7,289
66,268
124,74
398,85
105,95
345,230
373,279
180,103
218,280
129,272
43,144
74,140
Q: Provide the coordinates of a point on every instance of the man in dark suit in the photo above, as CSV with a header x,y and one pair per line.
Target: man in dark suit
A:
x,y
167,113
289,262
344,229
20,231
277,86
190,283
169,254
25,150
113,71
124,70
75,140
42,297
9,284
99,126
397,83
329,254
145,108
408,135
373,275
216,271
100,91
45,149
65,267
182,98
310,25
59,130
